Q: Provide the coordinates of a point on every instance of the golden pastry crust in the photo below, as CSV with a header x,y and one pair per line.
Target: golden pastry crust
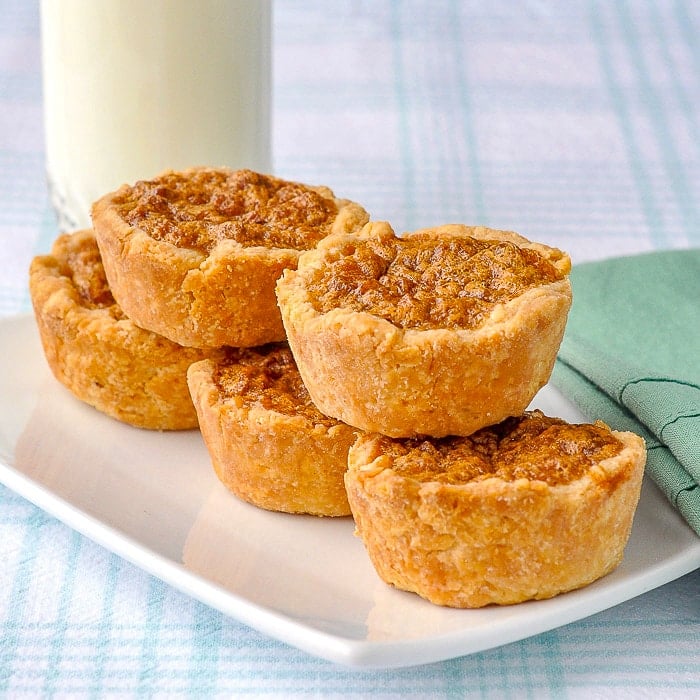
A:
x,y
522,511
439,332
268,443
100,355
194,255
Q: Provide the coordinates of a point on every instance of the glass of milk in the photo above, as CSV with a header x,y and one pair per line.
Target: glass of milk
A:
x,y
134,87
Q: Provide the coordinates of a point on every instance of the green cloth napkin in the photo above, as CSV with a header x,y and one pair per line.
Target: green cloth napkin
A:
x,y
631,357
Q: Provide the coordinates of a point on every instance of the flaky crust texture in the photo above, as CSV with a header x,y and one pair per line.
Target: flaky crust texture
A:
x,y
494,541
368,372
224,298
128,373
274,461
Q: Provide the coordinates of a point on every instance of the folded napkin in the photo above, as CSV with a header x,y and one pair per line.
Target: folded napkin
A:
x,y
631,357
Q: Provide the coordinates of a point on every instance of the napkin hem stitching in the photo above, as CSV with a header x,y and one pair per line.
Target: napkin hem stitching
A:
x,y
687,489
665,380
676,419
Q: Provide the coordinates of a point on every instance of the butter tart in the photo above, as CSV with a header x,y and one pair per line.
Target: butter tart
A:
x,y
526,509
101,356
194,255
437,332
269,445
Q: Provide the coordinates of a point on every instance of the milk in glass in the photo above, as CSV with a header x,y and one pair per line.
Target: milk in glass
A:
x,y
135,87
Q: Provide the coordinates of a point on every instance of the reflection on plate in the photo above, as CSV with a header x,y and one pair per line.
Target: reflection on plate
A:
x,y
153,499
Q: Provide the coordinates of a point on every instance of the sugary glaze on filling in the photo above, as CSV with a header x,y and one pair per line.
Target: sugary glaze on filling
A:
x,y
199,208
421,282
79,260
532,446
267,377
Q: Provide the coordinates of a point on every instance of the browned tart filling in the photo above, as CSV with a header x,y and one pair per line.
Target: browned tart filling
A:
x,y
532,446
200,209
82,265
266,377
420,284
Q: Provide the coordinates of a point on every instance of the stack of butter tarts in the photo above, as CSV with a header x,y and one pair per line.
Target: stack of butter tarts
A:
x,y
336,368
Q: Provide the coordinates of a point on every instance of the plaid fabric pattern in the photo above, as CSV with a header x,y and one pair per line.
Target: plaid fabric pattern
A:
x,y
573,123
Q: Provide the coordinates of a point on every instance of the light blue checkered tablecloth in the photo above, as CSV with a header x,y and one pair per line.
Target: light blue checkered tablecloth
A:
x,y
575,123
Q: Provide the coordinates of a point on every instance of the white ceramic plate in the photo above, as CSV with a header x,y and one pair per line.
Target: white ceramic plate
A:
x,y
153,499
